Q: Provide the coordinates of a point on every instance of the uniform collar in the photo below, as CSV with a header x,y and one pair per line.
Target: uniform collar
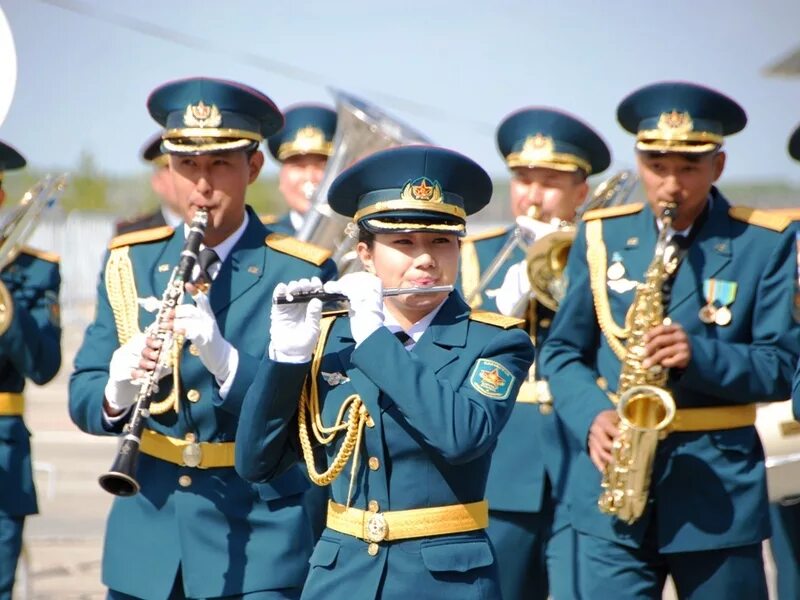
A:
x,y
296,219
416,330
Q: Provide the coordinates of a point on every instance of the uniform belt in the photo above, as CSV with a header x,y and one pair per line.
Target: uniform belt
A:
x,y
186,453
11,404
712,418
407,524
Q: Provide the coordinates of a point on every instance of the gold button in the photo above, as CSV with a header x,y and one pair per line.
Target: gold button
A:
x,y
370,422
373,506
374,463
193,350
184,481
544,323
193,395
372,549
190,437
546,409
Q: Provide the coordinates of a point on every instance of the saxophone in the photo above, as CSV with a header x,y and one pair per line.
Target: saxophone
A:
x,y
645,407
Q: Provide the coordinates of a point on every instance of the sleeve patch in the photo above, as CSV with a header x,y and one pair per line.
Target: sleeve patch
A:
x,y
491,379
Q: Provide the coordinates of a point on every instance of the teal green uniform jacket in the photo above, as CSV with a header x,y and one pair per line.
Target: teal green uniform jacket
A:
x,y
228,537
536,440
708,488
433,437
29,349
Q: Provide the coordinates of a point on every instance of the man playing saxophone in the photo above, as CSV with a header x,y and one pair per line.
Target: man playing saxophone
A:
x,y
718,326
30,348
195,529
550,154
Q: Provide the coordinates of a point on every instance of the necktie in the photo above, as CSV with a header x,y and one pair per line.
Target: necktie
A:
x,y
207,259
404,338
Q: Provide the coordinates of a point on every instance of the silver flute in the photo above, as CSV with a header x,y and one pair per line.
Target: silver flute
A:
x,y
300,297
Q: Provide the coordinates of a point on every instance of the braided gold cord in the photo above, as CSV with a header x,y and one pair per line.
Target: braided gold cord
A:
x,y
124,300
352,425
121,288
470,273
597,259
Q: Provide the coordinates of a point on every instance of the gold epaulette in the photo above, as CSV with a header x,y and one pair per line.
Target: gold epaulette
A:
x,y
612,211
288,245
762,218
485,235
43,254
496,319
139,237
792,213
268,219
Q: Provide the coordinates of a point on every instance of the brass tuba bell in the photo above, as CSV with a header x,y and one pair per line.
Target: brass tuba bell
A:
x,y
547,256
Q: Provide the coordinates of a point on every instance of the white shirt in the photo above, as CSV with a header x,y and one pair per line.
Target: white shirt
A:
x,y
223,249
416,330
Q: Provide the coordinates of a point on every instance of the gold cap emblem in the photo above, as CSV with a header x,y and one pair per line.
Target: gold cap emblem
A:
x,y
675,123
422,189
537,147
309,138
202,115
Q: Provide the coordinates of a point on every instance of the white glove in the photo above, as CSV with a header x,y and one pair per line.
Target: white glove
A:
x,y
199,325
533,229
121,389
516,286
294,328
365,293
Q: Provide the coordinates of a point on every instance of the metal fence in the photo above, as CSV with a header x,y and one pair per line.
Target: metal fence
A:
x,y
81,239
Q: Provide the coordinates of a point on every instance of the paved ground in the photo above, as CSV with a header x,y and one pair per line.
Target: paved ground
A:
x,y
64,542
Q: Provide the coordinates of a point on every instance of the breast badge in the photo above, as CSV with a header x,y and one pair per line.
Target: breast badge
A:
x,y
334,379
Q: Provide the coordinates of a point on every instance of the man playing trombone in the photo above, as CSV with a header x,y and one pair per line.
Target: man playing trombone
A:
x,y
550,154
30,348
195,530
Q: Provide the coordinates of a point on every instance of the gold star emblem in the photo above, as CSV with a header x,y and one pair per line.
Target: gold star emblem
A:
x,y
675,123
202,115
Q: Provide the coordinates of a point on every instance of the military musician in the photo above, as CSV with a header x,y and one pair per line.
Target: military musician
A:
x,y
168,211
415,387
550,154
197,530
302,148
30,348
695,292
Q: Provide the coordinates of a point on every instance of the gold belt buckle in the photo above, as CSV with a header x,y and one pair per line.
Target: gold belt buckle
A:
x,y
192,455
377,528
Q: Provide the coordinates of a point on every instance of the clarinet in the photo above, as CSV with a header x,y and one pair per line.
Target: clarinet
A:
x,y
120,480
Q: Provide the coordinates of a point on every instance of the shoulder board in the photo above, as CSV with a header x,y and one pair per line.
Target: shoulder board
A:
x,y
139,237
288,245
42,254
762,218
612,211
488,234
268,219
496,319
341,312
792,213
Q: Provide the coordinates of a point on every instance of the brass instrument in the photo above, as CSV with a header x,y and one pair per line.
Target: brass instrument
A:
x,y
645,407
17,229
547,257
361,129
120,480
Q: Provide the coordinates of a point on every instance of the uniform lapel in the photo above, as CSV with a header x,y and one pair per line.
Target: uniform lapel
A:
x,y
243,268
447,331
709,253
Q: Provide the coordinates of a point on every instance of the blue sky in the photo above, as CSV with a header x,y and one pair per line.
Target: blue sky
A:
x,y
451,69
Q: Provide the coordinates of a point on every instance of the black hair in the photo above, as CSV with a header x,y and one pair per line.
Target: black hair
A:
x,y
366,236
